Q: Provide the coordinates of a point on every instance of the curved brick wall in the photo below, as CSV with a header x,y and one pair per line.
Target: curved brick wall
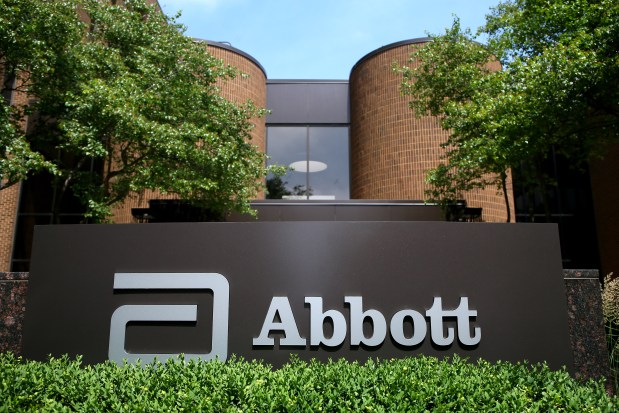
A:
x,y
240,89
391,148
9,201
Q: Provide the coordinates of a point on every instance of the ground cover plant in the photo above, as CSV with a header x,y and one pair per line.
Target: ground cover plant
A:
x,y
406,385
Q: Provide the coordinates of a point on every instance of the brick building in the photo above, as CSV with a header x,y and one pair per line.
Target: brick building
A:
x,y
348,140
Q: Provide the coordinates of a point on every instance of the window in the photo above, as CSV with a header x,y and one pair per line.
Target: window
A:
x,y
318,160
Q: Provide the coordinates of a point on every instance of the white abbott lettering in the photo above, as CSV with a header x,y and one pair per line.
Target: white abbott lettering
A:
x,y
280,306
440,335
358,316
397,328
317,320
436,315
463,316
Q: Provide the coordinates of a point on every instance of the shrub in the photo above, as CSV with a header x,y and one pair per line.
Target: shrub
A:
x,y
406,385
610,305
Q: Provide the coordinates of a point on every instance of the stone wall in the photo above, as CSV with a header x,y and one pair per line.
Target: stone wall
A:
x,y
13,289
586,324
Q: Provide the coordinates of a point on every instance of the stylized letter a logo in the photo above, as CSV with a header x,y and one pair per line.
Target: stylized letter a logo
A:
x,y
215,282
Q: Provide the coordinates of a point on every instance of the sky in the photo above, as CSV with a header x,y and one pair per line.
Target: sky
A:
x,y
319,39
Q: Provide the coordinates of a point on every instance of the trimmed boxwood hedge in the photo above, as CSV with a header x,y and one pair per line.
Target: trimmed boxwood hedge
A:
x,y
405,385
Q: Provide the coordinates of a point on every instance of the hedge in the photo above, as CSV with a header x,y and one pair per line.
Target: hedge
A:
x,y
405,385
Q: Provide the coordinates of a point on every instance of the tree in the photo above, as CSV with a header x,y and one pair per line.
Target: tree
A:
x,y
451,78
139,101
34,37
557,89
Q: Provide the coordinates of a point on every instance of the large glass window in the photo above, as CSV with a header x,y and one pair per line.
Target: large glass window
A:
x,y
318,160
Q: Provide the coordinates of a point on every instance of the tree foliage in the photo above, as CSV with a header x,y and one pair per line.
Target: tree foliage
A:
x,y
34,38
128,103
557,89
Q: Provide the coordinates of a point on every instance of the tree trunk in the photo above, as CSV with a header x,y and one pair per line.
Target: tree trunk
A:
x,y
506,195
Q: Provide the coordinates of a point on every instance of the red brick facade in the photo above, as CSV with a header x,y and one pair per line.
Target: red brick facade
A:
x,y
9,201
391,148
240,89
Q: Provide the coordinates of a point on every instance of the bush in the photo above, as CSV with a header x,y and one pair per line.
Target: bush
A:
x,y
407,385
610,305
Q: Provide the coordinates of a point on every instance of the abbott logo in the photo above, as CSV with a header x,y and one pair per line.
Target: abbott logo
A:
x,y
215,282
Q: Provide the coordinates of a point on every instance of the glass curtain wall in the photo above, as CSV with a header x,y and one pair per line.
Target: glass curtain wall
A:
x,y
317,158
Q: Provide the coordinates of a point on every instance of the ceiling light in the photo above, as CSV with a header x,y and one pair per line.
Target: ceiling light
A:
x,y
308,166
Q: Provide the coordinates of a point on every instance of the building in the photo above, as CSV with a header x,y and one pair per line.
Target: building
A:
x,y
349,141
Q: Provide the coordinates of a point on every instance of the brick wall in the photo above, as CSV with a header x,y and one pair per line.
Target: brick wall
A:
x,y
9,197
9,201
242,89
239,90
390,147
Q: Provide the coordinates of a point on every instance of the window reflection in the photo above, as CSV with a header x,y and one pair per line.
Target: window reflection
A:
x,y
330,146
318,157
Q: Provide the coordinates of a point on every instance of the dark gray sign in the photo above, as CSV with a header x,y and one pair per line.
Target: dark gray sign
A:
x,y
317,289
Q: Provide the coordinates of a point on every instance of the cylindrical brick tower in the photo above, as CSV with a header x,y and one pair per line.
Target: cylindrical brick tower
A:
x,y
390,148
239,90
243,88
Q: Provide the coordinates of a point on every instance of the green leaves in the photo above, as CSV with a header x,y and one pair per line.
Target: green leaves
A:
x,y
557,89
151,106
407,385
451,78
610,307
33,39
129,93
17,159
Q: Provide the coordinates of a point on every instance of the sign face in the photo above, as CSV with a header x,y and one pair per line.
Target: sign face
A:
x,y
321,290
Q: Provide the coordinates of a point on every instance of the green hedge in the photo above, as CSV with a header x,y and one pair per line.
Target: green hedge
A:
x,y
408,385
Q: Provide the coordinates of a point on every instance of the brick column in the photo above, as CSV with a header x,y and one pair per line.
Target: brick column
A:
x,y
9,202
